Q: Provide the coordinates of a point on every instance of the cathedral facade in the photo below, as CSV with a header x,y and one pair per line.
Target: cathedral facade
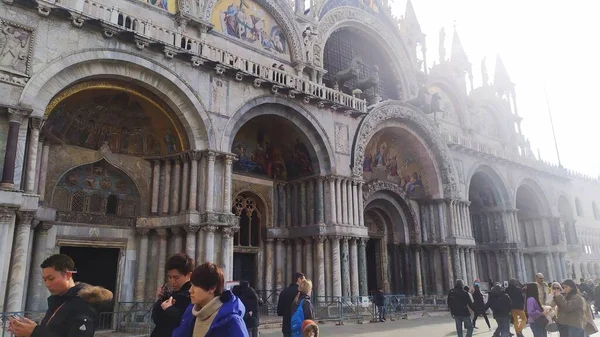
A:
x,y
268,137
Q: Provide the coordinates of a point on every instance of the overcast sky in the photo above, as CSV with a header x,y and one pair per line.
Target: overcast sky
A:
x,y
542,43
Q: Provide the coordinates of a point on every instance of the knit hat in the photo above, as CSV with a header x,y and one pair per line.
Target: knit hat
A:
x,y
309,326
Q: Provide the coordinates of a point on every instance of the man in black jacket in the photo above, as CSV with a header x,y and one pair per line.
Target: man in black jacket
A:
x,y
459,302
379,301
500,304
171,304
72,308
284,306
518,304
250,300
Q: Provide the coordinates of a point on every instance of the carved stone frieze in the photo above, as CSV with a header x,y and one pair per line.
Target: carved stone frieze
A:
x,y
282,15
25,217
95,219
390,110
16,49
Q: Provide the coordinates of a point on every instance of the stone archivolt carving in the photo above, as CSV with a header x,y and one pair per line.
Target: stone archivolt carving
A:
x,y
16,46
344,16
282,16
395,110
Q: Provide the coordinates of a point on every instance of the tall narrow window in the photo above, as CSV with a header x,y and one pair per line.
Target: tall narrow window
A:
x,y
112,205
250,222
78,201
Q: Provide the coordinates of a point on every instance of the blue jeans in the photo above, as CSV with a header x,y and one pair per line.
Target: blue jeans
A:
x,y
575,332
538,331
381,310
466,320
503,326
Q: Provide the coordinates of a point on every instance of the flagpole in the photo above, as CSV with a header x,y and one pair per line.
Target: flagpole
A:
x,y
552,125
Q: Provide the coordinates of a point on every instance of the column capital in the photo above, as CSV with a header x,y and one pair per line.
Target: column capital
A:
x,y
36,123
229,231
345,239
176,230
209,229
319,238
161,232
6,214
307,239
279,241
210,155
363,241
320,178
443,249
230,158
18,115
191,229
25,218
156,162
43,227
270,239
143,231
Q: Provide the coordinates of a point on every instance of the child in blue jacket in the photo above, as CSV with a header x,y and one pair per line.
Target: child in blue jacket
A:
x,y
212,312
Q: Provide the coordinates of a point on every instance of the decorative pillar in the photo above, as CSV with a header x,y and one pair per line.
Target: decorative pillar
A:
x,y
332,201
162,255
308,257
345,263
344,202
338,199
140,284
557,269
517,262
362,266
37,289
510,268
524,266
193,198
320,220
361,206
167,187
447,268
38,164
310,202
18,265
269,267
190,241
155,185
349,209
549,267
354,264
43,170
210,181
469,278
328,269
563,265
320,272
227,252
302,208
289,207
279,265
336,266
288,262
15,118
498,259
299,254
473,263
185,184
227,184
355,203
175,187
32,153
178,240
417,251
455,264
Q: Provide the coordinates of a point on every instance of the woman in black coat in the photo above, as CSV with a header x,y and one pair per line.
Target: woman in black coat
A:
x,y
479,306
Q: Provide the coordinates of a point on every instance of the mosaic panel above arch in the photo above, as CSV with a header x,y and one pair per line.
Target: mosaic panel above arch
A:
x,y
250,22
130,121
99,178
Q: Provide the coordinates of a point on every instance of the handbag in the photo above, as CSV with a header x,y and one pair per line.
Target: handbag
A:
x,y
542,321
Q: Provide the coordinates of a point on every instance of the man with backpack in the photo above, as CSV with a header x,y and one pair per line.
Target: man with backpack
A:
x,y
459,303
284,306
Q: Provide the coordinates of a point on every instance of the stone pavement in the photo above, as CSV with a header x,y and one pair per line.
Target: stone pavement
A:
x,y
437,326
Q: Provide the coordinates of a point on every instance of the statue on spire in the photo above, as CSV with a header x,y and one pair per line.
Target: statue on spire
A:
x,y
484,74
442,50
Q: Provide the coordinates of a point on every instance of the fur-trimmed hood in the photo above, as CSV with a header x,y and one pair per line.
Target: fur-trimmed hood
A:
x,y
309,327
93,294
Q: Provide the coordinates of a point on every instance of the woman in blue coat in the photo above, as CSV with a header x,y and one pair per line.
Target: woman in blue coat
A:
x,y
213,312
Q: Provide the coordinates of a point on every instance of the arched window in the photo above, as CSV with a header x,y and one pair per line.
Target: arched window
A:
x,y
78,201
112,205
596,212
578,207
250,221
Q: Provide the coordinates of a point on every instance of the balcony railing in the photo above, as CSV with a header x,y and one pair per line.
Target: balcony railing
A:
x,y
114,20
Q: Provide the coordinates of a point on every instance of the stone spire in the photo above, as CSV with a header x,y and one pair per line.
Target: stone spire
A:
x,y
458,57
501,79
411,28
411,23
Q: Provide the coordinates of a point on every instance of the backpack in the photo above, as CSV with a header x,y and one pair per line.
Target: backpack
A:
x,y
297,320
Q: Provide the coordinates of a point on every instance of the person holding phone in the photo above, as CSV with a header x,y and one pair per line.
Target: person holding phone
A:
x,y
571,309
174,296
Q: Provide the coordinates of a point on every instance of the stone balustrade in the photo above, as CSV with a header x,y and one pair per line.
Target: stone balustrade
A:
x,y
115,20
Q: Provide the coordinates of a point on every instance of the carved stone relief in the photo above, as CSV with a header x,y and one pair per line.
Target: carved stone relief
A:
x,y
16,45
219,95
459,170
342,143
423,125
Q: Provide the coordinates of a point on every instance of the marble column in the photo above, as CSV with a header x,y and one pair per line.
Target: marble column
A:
x,y
185,184
299,254
519,270
162,255
549,267
455,264
308,258
288,263
510,267
320,220
361,206
167,187
418,272
269,267
447,268
37,288
525,276
463,264
302,208
38,164
332,201
155,185
354,283
338,200
43,170
345,264
498,259
469,278
344,202
140,284
557,270
18,266
32,153
320,266
178,239
362,266
175,186
210,181
227,252
289,207
563,265
473,263
279,265
355,202
336,260
328,268
193,197
15,118
227,183
310,202
349,208
190,241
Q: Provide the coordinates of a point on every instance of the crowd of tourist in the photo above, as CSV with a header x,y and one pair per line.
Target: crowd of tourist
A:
x,y
564,307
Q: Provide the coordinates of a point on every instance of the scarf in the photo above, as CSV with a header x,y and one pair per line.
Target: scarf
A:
x,y
205,316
